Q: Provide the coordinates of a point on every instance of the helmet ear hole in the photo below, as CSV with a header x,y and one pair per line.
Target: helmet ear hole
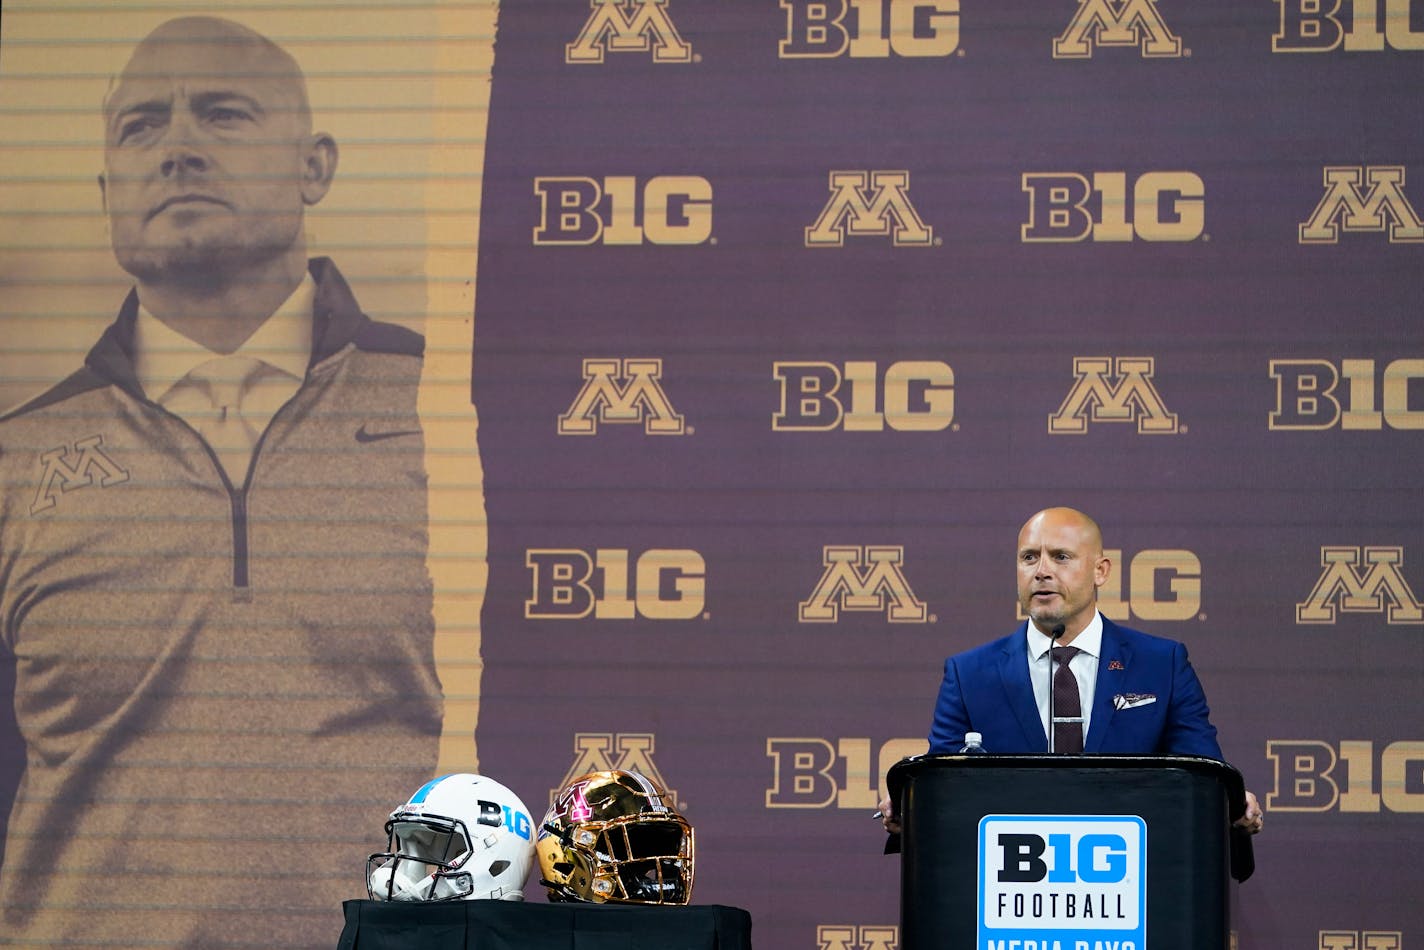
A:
x,y
497,868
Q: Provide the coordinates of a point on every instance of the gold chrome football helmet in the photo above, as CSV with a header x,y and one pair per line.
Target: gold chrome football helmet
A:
x,y
615,837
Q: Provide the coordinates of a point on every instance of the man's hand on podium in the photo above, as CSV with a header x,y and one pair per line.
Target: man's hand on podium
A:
x,y
886,814
1253,818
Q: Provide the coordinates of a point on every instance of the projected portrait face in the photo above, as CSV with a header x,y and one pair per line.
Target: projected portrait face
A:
x,y
1060,568
209,158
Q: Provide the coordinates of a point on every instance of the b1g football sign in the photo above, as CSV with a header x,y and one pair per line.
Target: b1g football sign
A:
x,y
1062,882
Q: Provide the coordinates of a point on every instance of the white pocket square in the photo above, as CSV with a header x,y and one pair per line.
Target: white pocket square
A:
x,y
1131,700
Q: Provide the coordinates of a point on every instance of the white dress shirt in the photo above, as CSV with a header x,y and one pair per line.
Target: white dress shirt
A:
x,y
163,356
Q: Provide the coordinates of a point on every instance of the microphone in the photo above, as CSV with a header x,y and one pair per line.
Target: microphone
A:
x,y
1053,635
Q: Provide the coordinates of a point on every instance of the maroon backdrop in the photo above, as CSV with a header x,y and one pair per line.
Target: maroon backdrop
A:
x,y
789,314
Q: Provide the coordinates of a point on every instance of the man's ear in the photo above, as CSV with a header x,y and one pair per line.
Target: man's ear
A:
x,y
318,167
1101,571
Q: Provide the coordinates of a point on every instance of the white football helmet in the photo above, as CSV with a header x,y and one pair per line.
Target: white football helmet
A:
x,y
459,837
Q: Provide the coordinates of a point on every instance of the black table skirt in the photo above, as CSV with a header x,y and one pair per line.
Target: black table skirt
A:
x,y
512,925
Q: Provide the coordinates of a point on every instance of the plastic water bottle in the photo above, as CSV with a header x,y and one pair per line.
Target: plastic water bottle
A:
x,y
973,744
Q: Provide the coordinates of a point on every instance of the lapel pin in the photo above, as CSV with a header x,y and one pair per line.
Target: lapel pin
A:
x,y
1115,664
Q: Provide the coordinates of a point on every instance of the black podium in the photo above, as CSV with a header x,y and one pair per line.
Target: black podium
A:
x,y
1095,852
515,925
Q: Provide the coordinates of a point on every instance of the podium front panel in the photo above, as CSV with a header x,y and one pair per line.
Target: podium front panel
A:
x,y
1184,819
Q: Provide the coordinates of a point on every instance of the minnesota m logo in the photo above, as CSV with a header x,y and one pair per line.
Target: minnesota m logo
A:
x,y
595,752
869,204
639,399
1117,23
1382,207
628,26
1360,585
58,476
1096,399
867,579
857,938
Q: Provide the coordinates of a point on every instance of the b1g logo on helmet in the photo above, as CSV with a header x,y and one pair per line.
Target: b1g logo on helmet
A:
x,y
1095,397
1361,580
1117,23
628,26
816,29
496,815
575,211
621,751
622,392
1367,198
869,204
1322,26
866,579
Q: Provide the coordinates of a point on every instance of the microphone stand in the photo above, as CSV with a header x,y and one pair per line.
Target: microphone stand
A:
x,y
1053,635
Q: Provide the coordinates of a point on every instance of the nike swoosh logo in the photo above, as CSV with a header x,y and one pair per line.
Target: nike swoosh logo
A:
x,y
364,436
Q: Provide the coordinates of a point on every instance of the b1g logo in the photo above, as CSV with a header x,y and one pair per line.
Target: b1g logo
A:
x,y
1310,776
831,773
1320,26
604,751
491,814
1161,585
851,937
818,29
1066,207
1309,396
622,392
503,816
915,396
666,209
628,26
1361,580
1108,389
1363,198
865,579
869,204
1117,23
1062,880
667,584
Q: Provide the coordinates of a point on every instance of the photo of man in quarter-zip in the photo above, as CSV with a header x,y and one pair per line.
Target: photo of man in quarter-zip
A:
x,y
213,537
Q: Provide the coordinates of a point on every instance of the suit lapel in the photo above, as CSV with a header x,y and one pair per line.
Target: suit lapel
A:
x,y
1013,671
1113,662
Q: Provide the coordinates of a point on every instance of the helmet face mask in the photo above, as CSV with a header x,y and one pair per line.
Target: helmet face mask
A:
x,y
612,837
486,854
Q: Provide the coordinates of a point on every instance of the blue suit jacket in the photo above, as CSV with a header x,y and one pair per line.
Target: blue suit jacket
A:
x,y
987,690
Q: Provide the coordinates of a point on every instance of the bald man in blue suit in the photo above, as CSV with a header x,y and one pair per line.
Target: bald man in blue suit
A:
x,y
1139,693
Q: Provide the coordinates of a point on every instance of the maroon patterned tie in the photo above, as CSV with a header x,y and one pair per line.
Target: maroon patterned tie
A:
x,y
1067,736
